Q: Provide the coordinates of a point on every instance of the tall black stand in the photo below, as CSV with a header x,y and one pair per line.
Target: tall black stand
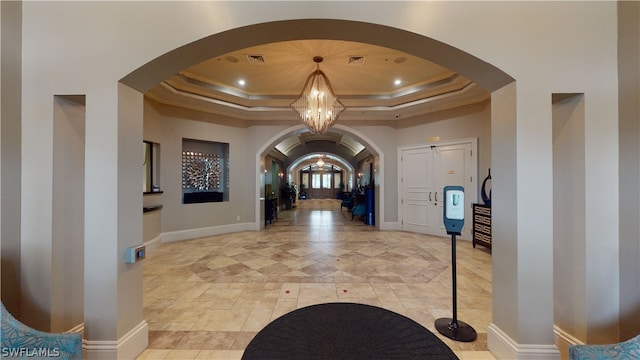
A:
x,y
451,327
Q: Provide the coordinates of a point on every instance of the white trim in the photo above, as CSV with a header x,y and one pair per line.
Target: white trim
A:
x,y
503,347
440,143
390,226
129,346
565,336
471,192
563,340
78,329
205,231
153,243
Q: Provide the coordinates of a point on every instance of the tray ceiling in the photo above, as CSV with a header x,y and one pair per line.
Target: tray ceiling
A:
x,y
377,85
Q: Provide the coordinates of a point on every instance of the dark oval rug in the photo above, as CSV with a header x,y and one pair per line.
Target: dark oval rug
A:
x,y
345,331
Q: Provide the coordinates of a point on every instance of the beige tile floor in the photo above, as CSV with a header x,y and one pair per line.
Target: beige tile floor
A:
x,y
207,298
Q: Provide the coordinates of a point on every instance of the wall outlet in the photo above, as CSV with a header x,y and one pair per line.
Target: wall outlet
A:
x,y
238,218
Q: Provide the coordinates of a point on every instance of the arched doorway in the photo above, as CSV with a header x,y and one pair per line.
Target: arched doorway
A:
x,y
485,74
378,165
333,174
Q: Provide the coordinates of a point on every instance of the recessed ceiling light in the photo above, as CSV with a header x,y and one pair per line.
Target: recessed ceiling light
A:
x,y
397,82
241,82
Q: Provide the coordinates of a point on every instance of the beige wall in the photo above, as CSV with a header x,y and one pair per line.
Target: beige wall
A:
x,y
570,310
504,217
67,255
468,122
10,142
86,47
629,89
168,130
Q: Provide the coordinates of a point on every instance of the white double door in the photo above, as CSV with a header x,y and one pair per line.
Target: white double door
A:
x,y
425,171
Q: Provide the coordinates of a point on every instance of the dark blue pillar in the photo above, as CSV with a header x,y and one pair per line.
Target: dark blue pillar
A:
x,y
369,217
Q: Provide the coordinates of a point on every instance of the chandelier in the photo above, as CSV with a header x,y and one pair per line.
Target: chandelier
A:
x,y
320,162
318,107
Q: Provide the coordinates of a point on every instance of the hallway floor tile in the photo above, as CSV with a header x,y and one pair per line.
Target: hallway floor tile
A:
x,y
206,298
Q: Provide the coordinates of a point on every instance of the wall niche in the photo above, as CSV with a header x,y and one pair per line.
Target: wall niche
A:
x,y
205,171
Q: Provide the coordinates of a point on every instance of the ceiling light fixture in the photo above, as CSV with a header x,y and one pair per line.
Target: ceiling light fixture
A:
x,y
318,107
320,162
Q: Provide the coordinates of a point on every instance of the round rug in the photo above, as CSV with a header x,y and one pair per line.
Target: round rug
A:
x,y
345,331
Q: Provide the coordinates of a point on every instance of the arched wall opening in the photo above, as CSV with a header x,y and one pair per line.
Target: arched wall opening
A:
x,y
309,158
155,71
300,161
486,75
375,150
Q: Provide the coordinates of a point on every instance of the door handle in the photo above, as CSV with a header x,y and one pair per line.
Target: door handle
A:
x,y
429,195
436,196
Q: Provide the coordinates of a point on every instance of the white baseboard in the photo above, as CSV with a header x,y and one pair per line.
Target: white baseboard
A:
x,y
78,329
503,347
226,229
206,231
127,347
563,340
390,226
153,243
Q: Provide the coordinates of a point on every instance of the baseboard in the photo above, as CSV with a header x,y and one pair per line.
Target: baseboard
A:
x,y
503,347
227,229
78,329
563,340
127,347
153,243
390,226
206,231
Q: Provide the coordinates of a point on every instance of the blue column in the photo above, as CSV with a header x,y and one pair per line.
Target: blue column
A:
x,y
369,218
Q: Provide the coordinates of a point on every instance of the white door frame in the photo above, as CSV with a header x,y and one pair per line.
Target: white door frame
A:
x,y
471,191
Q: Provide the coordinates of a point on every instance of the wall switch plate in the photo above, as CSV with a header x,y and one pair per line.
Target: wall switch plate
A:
x,y
134,254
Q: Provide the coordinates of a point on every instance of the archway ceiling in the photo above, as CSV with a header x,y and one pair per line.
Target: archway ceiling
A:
x,y
363,77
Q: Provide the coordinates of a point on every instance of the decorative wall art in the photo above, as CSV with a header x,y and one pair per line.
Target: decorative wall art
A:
x,y
201,172
204,171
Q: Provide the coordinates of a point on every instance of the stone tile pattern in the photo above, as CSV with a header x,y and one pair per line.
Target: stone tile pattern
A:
x,y
207,298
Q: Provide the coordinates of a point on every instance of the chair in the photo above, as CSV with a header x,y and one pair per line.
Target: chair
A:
x,y
629,349
23,342
347,202
358,210
359,206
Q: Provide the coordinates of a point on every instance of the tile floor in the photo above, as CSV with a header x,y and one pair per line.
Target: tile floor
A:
x,y
206,298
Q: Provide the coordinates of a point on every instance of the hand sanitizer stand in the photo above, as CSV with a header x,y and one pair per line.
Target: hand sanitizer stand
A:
x,y
453,221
